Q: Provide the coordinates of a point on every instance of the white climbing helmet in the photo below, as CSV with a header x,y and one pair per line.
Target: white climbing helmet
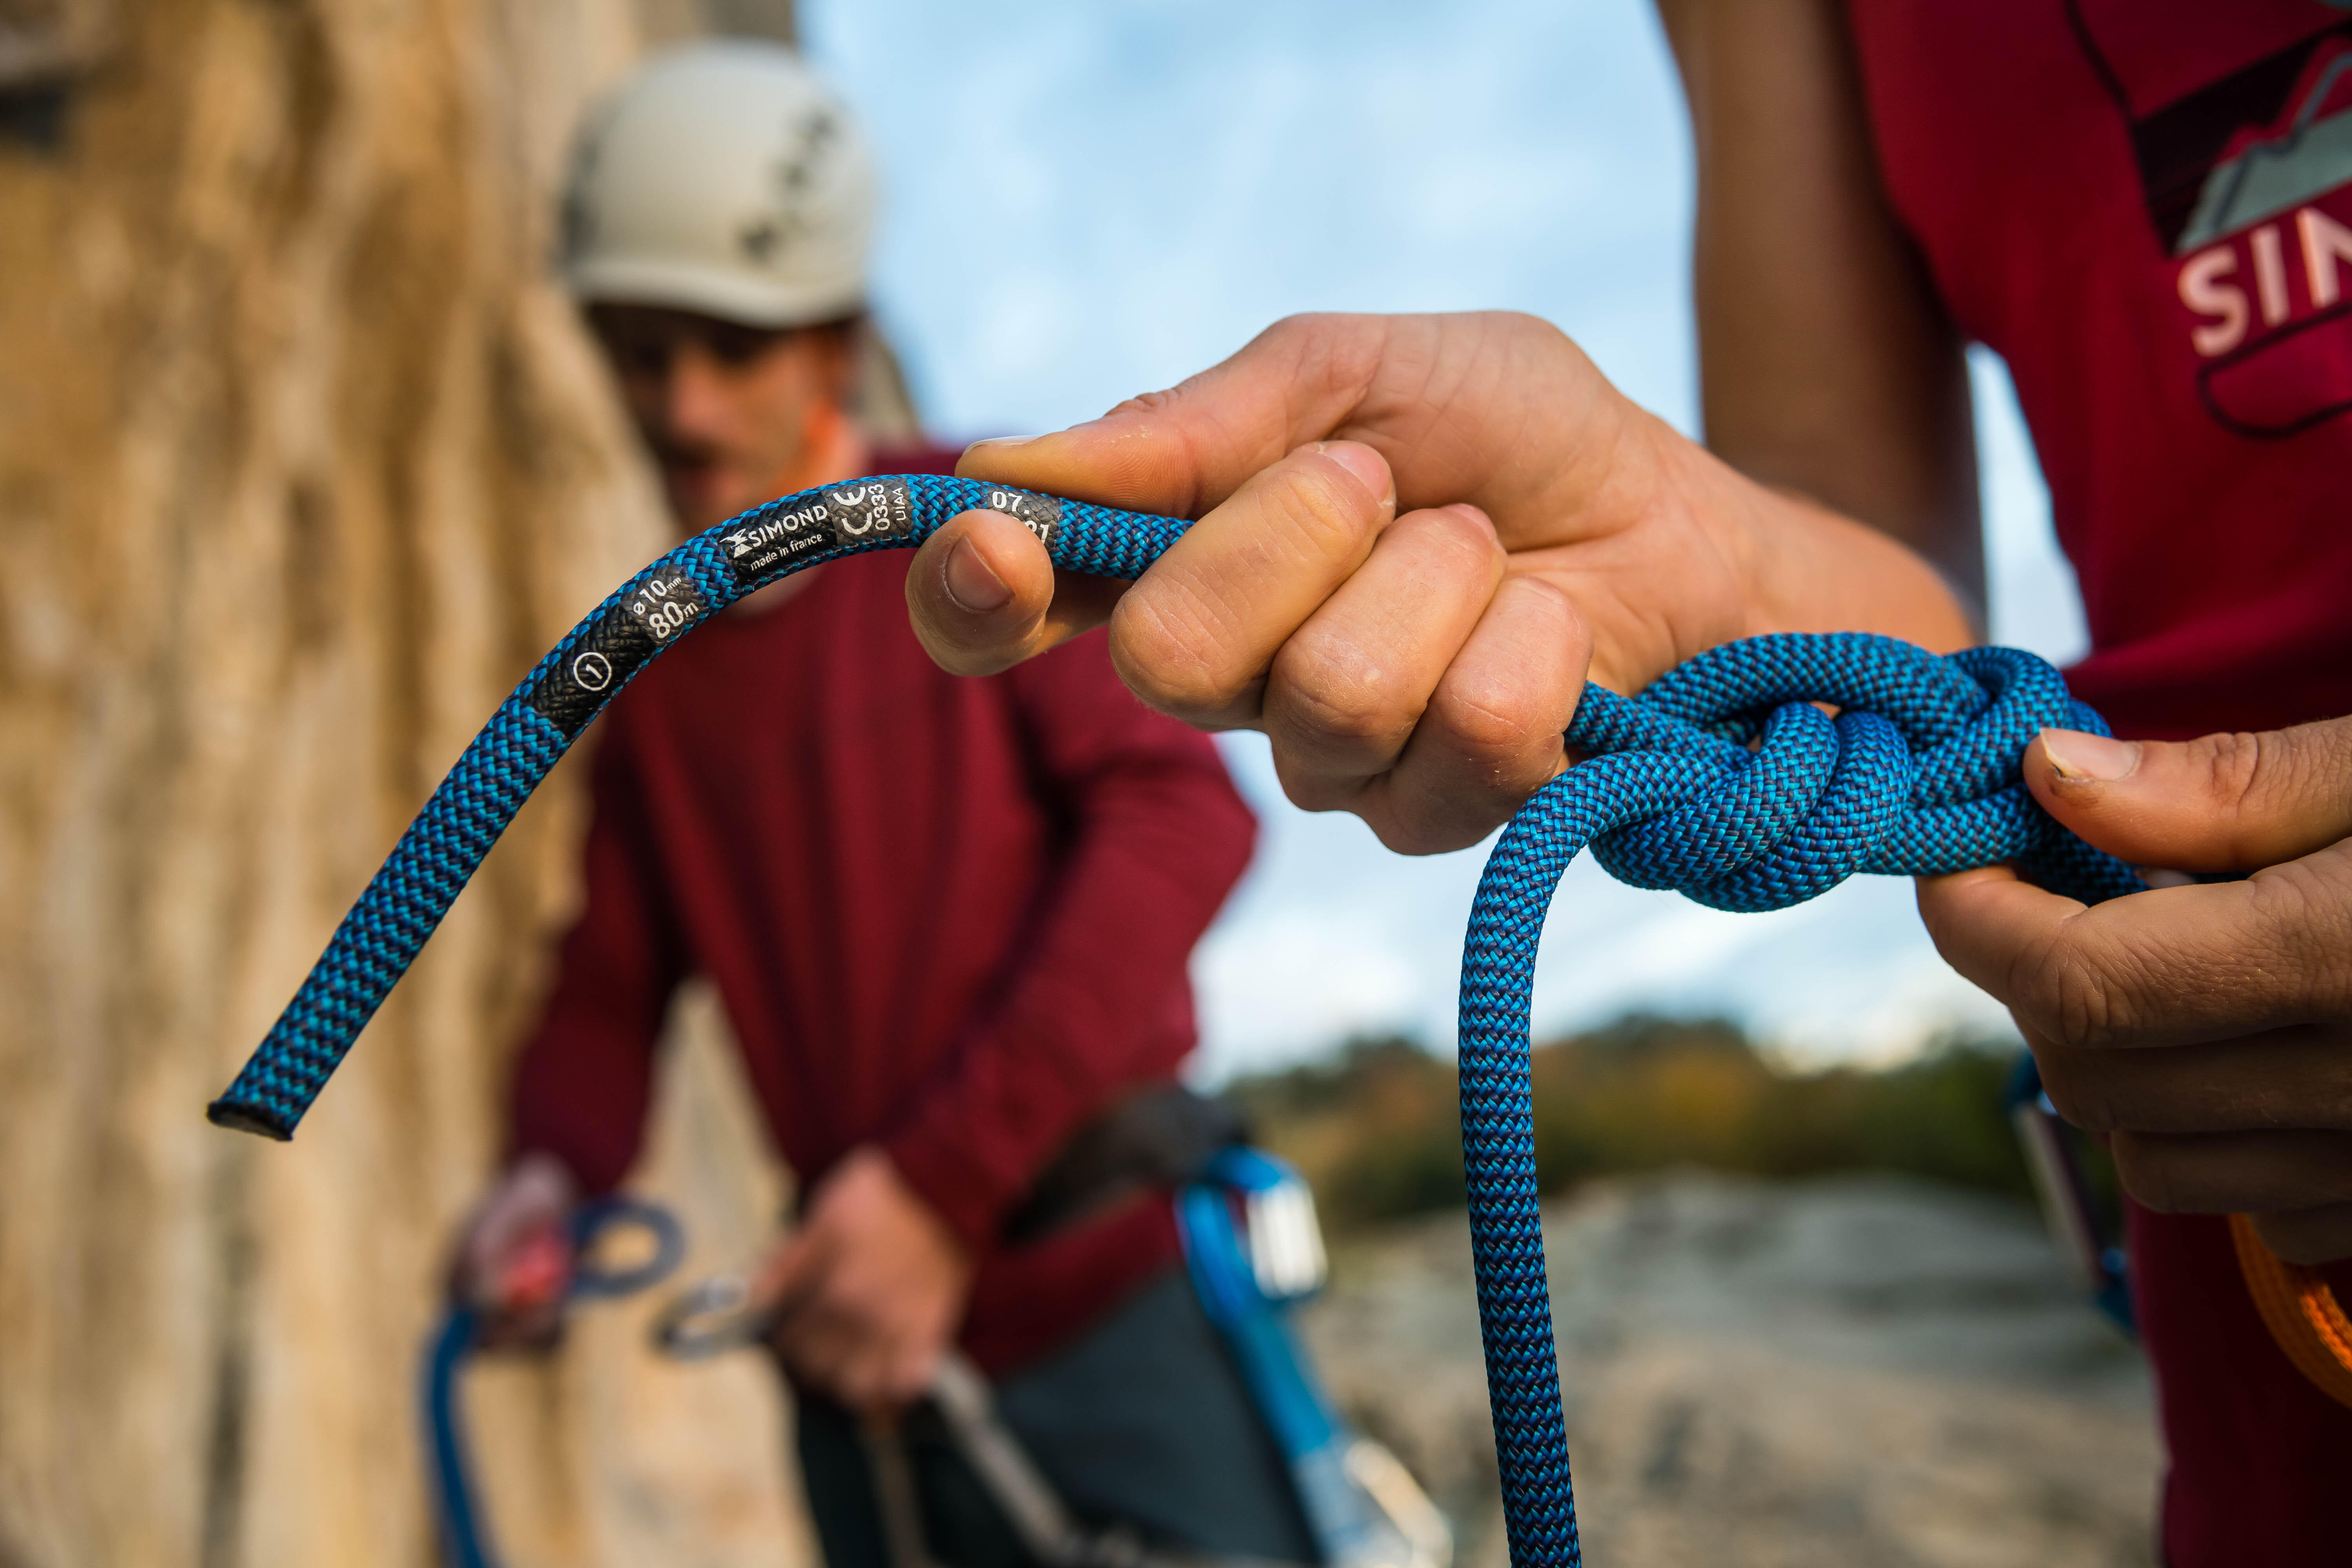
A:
x,y
724,178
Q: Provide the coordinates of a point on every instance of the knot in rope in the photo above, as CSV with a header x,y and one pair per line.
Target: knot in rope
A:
x,y
1725,782
1765,801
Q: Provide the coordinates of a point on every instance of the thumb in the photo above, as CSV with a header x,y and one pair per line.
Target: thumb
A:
x,y
2221,803
1186,450
980,592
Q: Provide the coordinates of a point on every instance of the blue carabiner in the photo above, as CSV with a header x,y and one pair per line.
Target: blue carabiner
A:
x,y
465,1538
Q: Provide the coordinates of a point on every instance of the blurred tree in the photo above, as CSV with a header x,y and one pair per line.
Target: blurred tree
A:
x,y
1378,1128
303,461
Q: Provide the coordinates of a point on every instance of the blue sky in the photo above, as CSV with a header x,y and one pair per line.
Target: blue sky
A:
x,y
1086,201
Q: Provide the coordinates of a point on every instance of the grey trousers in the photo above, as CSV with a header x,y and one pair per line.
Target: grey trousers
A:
x,y
1143,1422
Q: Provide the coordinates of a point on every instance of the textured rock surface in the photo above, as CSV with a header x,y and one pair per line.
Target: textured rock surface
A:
x,y
303,461
1860,1371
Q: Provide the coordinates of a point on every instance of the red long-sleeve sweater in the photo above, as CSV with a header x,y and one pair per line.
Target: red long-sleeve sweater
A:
x,y
947,916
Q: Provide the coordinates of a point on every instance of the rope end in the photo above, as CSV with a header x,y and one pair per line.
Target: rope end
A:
x,y
243,1116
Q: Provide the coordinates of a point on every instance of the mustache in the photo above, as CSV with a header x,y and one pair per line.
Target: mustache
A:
x,y
671,453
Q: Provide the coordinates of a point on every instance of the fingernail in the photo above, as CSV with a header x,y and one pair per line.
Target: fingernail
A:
x,y
970,582
1001,441
2081,757
1364,463
1475,514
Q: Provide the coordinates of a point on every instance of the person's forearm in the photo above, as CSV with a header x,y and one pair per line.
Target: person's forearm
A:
x,y
1829,364
1817,571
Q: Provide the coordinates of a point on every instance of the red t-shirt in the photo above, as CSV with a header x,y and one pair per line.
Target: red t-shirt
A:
x,y
950,917
2114,195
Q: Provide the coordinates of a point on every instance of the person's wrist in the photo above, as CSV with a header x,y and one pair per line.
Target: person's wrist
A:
x,y
543,1182
954,1193
1728,541
1767,538
954,1249
1799,566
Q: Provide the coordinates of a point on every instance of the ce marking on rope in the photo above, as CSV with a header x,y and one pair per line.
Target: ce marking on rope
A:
x,y
592,670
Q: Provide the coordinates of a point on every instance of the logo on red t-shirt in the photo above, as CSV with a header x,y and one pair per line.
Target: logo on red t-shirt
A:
x,y
2243,139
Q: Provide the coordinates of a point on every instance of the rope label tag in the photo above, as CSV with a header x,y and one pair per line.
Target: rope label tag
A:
x,y
647,620
867,511
1039,515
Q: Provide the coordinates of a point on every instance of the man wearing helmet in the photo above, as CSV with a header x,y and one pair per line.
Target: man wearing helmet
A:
x,y
949,918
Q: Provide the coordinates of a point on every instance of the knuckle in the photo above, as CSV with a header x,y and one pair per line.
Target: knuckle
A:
x,y
1332,691
1332,356
2150,1174
2070,995
1323,506
1317,791
1411,822
2278,794
1149,401
1430,833
1165,649
1496,720
1293,332
2080,1018
1307,338
1420,809
2081,1098
2232,767
2303,911
1464,543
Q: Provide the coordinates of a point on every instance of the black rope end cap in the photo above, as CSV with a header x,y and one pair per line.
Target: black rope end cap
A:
x,y
240,1116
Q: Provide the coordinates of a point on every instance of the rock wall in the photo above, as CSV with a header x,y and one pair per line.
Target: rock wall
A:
x,y
303,461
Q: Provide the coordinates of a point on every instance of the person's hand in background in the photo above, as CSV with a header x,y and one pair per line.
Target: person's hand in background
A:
x,y
870,1286
2207,1028
1416,535
514,1257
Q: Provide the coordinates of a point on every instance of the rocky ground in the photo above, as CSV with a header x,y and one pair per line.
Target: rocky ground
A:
x,y
1859,1371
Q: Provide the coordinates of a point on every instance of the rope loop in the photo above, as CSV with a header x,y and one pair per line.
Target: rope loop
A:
x,y
1916,776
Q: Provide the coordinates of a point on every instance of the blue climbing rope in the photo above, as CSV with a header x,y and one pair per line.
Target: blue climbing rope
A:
x,y
382,935
1723,781
1918,776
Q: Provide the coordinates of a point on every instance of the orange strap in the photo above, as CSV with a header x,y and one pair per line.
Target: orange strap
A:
x,y
2302,1313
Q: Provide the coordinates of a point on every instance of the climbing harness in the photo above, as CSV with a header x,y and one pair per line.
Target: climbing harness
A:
x,y
465,1534
1254,1251
723,1314
1723,780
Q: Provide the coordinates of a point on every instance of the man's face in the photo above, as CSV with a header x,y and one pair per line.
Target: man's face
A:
x,y
728,411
